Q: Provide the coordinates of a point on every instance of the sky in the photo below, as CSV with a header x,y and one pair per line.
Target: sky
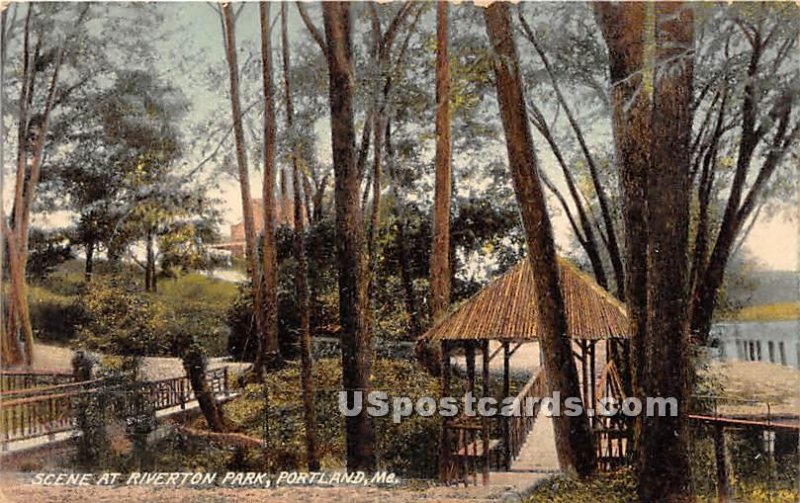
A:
x,y
194,29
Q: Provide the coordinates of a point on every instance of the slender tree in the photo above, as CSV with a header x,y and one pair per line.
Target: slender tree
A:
x,y
350,256
32,133
244,184
440,247
269,261
301,274
763,114
574,440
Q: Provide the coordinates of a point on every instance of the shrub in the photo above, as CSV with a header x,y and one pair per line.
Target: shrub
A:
x,y
54,316
121,322
408,448
617,487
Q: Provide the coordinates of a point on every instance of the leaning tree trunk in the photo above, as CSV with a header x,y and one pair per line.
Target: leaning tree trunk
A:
x,y
244,185
574,441
301,274
663,460
350,257
269,261
194,362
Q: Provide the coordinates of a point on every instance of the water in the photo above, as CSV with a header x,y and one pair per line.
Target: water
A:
x,y
767,341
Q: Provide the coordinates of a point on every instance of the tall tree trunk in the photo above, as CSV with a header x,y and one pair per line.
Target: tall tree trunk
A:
x,y
663,462
623,27
374,219
27,179
441,272
440,249
269,259
301,274
353,305
574,441
244,185
18,318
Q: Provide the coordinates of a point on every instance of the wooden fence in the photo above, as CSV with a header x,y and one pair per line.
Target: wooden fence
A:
x,y
47,410
11,380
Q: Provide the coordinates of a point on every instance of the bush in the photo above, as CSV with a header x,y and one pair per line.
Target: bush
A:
x,y
243,339
54,316
408,448
122,322
617,487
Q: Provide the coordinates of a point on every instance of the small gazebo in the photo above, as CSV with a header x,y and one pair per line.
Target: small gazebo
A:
x,y
506,311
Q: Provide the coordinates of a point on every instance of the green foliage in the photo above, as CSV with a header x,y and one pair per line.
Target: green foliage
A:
x,y
55,317
617,487
121,321
190,306
409,448
769,312
748,466
46,251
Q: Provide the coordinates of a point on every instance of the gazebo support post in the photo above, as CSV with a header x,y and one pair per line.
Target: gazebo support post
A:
x,y
584,372
444,432
592,378
469,349
507,419
485,420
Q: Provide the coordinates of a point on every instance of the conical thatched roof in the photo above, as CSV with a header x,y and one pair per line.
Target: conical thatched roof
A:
x,y
506,309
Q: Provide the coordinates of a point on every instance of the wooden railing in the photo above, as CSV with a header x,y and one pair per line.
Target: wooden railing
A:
x,y
469,454
50,390
521,425
473,451
12,380
50,410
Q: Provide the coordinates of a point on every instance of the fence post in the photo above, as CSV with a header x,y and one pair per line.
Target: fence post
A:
x,y
722,470
506,420
183,394
51,437
225,380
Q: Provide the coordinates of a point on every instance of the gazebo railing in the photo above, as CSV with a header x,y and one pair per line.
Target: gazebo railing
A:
x,y
521,425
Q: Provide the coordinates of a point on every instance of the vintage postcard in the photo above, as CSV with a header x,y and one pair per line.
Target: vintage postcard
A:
x,y
400,251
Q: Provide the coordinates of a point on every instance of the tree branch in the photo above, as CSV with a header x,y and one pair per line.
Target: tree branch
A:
x,y
312,30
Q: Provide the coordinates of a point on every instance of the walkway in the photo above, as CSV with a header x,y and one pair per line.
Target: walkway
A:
x,y
29,444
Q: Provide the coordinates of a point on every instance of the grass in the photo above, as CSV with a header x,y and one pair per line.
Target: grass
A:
x,y
768,312
198,287
617,487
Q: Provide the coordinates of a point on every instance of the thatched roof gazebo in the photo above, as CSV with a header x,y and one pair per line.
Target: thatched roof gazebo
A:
x,y
506,311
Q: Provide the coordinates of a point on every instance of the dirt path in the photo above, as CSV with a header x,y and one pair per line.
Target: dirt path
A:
x,y
48,357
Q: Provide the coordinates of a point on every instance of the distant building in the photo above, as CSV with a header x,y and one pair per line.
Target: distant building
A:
x,y
284,215
772,341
